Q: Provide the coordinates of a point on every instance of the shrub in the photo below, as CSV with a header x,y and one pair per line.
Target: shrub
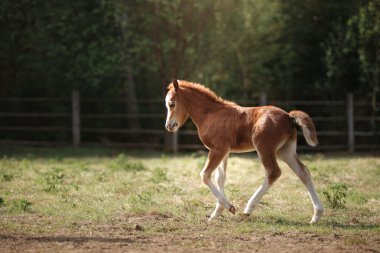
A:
x,y
122,163
159,175
53,179
7,177
21,205
336,195
141,201
134,166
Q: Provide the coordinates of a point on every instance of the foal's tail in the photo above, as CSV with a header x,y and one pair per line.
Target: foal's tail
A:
x,y
303,120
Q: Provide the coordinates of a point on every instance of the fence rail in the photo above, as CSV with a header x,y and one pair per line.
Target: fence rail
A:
x,y
76,129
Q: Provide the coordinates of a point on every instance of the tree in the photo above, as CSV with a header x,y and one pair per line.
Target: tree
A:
x,y
308,25
352,53
247,57
53,47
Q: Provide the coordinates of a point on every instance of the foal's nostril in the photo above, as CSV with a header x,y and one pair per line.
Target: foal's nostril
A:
x,y
169,126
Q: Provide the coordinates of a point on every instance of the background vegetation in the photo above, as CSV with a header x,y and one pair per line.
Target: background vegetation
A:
x,y
292,49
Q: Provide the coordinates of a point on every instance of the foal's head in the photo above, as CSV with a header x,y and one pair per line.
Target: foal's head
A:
x,y
176,111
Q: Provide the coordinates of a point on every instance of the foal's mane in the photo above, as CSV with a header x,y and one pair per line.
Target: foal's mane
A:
x,y
201,90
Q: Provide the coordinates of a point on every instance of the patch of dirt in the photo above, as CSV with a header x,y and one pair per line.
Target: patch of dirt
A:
x,y
129,234
288,242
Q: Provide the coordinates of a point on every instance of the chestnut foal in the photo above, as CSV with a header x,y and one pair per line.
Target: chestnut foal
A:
x,y
225,127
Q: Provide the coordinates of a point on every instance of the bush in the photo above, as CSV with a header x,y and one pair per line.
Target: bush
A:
x,y
336,196
7,177
122,163
141,202
159,175
21,205
53,179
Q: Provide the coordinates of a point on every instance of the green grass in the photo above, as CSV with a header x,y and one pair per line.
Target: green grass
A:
x,y
48,190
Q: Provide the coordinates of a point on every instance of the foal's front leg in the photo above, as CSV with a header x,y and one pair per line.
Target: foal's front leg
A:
x,y
220,179
215,157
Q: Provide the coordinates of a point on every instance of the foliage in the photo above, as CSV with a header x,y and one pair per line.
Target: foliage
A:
x,y
7,177
123,163
19,205
57,46
140,202
352,53
252,59
239,48
292,50
159,175
308,26
336,196
54,181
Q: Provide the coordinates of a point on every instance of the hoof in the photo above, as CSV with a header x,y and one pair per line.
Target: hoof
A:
x,y
315,219
317,216
232,209
243,217
211,218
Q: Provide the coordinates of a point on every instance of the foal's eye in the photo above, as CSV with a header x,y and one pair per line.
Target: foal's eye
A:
x,y
171,104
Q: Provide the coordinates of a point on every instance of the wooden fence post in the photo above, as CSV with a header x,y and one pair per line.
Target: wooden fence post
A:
x,y
263,99
175,143
75,98
350,123
171,142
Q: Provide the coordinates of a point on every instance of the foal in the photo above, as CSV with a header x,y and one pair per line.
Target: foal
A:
x,y
225,127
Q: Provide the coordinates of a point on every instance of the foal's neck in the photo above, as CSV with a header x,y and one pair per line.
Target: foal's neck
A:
x,y
198,106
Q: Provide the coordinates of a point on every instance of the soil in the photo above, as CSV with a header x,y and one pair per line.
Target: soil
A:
x,y
129,235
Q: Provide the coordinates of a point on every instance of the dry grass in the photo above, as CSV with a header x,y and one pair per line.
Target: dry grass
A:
x,y
46,191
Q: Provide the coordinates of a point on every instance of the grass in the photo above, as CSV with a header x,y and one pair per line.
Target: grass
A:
x,y
49,190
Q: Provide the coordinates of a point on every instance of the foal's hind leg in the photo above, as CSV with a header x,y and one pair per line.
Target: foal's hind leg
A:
x,y
220,178
288,154
273,172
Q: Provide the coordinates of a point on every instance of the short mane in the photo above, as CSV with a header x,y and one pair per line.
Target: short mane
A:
x,y
201,89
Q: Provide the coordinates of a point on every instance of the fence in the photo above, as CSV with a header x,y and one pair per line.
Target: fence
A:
x,y
79,121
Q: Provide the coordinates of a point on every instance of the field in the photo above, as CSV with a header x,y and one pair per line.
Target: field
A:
x,y
87,200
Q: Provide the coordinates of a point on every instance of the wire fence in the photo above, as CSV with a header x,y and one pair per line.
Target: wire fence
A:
x,y
81,121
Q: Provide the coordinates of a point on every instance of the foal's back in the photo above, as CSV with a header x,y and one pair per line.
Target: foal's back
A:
x,y
248,128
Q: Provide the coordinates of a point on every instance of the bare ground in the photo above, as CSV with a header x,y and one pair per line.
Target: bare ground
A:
x,y
133,242
129,235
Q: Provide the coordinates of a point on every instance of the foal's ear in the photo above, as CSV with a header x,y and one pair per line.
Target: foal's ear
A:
x,y
175,84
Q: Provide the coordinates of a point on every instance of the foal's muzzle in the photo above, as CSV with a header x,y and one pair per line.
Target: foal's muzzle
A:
x,y
172,126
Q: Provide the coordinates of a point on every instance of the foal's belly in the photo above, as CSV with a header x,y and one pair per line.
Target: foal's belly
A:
x,y
242,150
241,141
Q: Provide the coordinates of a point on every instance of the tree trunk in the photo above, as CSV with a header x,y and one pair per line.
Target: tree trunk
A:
x,y
132,107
